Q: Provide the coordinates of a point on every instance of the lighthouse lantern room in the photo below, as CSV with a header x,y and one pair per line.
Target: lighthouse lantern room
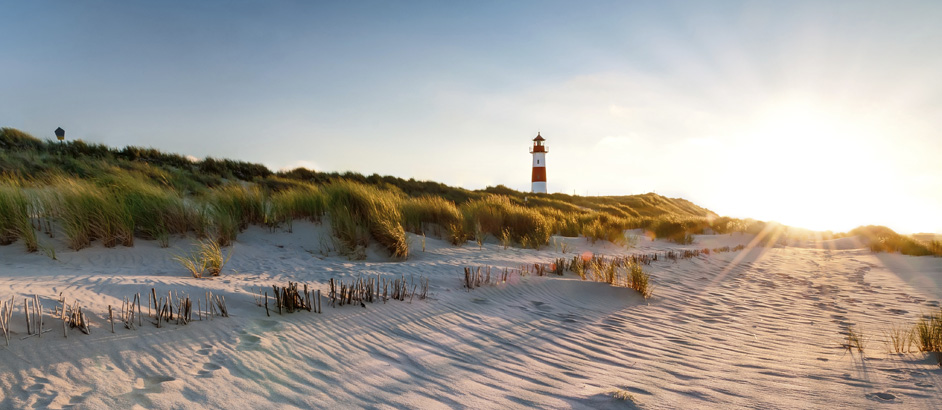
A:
x,y
539,152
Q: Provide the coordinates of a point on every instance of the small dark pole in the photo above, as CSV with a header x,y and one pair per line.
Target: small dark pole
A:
x,y
60,135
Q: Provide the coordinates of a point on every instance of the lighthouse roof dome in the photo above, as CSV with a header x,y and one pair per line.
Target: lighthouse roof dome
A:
x,y
539,138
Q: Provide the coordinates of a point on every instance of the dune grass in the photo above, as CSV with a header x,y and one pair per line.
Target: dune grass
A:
x,y
928,334
674,230
853,339
15,222
925,335
623,395
618,271
883,239
639,280
601,227
420,214
156,212
161,194
299,203
88,212
358,210
497,216
899,339
207,257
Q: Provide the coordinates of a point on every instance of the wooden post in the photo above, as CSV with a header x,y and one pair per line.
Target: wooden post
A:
x,y
39,314
85,328
111,317
307,298
278,300
140,317
65,332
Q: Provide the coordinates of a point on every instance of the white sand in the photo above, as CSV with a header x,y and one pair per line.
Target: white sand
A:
x,y
756,329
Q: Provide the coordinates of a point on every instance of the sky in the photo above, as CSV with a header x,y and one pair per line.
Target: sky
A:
x,y
823,115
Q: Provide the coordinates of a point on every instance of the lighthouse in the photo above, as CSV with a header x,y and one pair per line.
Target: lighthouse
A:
x,y
539,165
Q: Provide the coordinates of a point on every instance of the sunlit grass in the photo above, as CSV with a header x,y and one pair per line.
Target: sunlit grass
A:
x,y
156,195
206,258
853,339
498,217
88,212
422,213
883,239
357,209
15,221
899,339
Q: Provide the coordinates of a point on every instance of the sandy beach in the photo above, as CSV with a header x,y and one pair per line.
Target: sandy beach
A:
x,y
757,328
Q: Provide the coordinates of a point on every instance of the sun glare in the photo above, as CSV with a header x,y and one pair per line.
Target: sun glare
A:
x,y
808,168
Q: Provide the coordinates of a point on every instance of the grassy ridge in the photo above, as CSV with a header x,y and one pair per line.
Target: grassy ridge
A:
x,y
883,239
97,193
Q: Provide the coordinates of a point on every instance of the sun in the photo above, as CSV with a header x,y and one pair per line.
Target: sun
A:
x,y
808,166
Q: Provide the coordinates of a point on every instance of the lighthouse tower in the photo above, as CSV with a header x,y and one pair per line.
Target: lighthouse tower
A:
x,y
539,165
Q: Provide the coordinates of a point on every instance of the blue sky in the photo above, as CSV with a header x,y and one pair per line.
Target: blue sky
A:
x,y
817,114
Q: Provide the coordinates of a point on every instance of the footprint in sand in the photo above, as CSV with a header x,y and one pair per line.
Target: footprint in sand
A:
x,y
151,384
267,324
208,370
206,350
249,341
76,400
882,397
146,385
40,385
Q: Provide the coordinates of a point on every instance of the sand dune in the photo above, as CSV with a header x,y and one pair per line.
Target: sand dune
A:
x,y
753,329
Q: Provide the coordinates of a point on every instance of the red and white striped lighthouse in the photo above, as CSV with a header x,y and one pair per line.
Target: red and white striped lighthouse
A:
x,y
539,152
